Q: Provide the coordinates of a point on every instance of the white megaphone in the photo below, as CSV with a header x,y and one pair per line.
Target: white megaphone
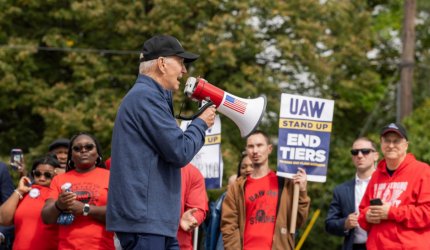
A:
x,y
245,113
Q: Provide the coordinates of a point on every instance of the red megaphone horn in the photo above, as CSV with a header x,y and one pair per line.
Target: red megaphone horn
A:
x,y
245,113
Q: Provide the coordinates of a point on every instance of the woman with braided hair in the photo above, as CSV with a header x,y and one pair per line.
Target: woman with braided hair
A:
x,y
84,199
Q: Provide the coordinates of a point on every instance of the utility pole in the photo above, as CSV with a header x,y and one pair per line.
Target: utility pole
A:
x,y
405,99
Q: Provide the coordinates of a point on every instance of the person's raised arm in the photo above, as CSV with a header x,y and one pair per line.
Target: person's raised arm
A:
x,y
208,116
171,143
7,210
304,200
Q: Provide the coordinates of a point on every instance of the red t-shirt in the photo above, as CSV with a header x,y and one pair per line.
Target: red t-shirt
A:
x,y
193,195
261,199
107,163
85,232
30,231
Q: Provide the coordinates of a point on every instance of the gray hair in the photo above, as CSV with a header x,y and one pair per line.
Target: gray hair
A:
x,y
147,66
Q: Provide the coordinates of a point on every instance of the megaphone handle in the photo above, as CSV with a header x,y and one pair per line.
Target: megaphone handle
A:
x,y
197,114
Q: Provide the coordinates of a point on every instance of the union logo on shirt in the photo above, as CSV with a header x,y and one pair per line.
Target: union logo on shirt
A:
x,y
87,192
390,192
261,217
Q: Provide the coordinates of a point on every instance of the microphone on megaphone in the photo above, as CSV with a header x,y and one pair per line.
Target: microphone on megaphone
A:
x,y
245,113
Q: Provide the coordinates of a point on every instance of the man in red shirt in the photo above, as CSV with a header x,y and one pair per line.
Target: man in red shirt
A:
x,y
396,205
257,209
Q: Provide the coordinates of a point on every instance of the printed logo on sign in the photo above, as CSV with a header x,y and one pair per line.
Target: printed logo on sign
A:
x,y
235,104
305,124
212,139
306,107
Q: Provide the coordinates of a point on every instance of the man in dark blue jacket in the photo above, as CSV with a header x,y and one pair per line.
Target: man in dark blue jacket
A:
x,y
149,148
342,216
6,189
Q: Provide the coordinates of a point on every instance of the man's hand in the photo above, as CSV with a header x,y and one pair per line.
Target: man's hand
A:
x,y
208,116
377,213
188,222
301,179
380,211
351,221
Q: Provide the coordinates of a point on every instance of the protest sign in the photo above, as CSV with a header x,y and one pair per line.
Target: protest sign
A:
x,y
209,159
304,136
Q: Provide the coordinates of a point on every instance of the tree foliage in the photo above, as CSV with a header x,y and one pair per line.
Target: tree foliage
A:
x,y
65,65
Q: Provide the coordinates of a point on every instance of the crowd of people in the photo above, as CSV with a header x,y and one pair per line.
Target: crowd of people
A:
x,y
387,204
149,196
78,192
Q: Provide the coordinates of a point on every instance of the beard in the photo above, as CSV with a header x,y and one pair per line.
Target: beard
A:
x,y
257,164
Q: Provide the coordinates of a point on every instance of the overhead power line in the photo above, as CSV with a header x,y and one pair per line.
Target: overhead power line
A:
x,y
78,50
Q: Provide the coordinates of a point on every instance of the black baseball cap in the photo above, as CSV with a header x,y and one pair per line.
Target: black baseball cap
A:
x,y
61,142
165,45
396,128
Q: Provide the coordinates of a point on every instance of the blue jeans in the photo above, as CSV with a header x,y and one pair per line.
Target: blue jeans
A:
x,y
145,241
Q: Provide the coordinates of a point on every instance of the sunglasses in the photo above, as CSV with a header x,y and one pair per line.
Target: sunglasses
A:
x,y
87,147
47,175
364,151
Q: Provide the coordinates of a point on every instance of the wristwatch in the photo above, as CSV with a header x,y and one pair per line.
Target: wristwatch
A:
x,y
86,209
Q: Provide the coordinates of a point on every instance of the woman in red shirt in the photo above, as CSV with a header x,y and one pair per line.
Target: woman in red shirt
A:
x,y
85,200
24,206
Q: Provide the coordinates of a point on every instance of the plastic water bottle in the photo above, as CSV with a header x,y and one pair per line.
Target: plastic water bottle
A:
x,y
66,218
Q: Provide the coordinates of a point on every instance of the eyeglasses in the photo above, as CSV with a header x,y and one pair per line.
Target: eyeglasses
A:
x,y
87,147
47,175
364,151
389,142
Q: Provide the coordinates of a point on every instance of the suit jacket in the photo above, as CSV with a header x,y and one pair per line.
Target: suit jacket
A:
x,y
342,204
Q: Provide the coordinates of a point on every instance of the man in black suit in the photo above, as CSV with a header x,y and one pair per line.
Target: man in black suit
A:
x,y
342,216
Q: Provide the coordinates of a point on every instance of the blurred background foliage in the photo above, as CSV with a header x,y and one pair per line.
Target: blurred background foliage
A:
x,y
65,65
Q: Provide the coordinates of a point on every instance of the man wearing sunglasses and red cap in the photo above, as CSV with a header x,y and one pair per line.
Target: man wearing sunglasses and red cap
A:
x,y
149,149
342,216
395,210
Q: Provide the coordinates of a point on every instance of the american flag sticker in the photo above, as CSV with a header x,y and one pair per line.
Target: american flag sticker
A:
x,y
235,104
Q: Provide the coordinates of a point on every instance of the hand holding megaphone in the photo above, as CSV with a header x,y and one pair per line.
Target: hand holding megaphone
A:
x,y
208,115
246,113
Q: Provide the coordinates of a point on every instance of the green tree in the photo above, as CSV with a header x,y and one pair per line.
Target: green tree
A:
x,y
65,65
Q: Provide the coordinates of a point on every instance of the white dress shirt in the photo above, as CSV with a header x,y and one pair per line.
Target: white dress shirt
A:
x,y
360,236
